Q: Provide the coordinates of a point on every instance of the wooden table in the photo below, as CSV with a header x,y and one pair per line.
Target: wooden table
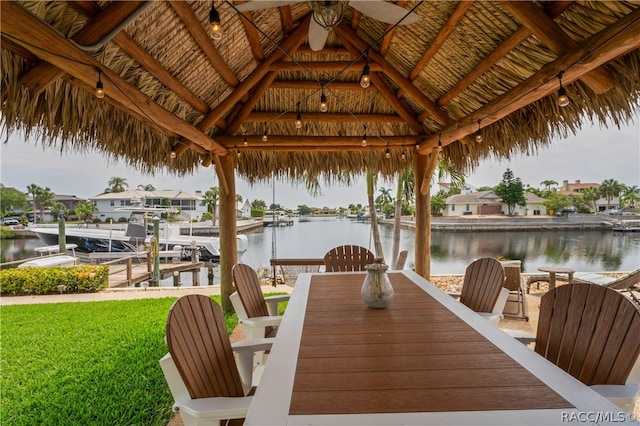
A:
x,y
426,359
553,270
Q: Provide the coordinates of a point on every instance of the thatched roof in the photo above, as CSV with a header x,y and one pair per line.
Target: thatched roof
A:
x,y
464,65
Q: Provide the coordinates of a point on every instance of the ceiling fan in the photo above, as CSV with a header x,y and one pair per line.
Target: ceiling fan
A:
x,y
327,14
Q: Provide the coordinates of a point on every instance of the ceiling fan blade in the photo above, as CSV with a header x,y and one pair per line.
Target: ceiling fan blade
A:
x,y
317,36
259,5
385,12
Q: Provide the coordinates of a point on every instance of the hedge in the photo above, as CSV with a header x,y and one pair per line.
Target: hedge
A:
x,y
26,281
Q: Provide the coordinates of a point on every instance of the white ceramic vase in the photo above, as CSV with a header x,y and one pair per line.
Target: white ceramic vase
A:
x,y
376,288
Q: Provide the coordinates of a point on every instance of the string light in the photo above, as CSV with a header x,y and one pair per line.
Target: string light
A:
x,y
478,135
298,118
265,138
403,155
563,99
173,153
99,86
214,21
440,142
245,141
365,78
364,136
238,153
387,153
324,107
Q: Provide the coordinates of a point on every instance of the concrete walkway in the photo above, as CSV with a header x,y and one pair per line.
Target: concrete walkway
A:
x,y
127,294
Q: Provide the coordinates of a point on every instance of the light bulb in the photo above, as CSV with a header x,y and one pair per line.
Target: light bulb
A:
x,y
245,141
364,140
214,21
563,99
478,137
365,79
324,107
265,138
387,153
298,121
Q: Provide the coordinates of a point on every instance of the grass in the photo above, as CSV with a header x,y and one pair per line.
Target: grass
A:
x,y
85,363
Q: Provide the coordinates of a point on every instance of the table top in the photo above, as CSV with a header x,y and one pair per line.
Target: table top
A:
x,y
424,359
556,269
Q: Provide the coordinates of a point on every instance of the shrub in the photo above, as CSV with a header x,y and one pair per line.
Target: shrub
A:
x,y
257,213
22,281
122,219
96,220
6,233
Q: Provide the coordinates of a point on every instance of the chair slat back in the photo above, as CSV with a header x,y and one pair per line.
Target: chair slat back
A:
x,y
590,331
200,348
627,281
247,284
512,279
347,258
483,280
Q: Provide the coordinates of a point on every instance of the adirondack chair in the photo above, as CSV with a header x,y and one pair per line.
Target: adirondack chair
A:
x,y
347,258
206,383
482,289
593,333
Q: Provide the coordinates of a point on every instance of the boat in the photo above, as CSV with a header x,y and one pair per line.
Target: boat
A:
x,y
137,237
276,218
46,262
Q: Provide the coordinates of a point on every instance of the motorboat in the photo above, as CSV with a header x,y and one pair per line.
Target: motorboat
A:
x,y
49,261
137,236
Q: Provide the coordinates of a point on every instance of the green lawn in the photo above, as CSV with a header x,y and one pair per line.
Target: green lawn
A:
x,y
85,363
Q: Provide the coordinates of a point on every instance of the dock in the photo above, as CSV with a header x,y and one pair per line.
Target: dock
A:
x,y
123,275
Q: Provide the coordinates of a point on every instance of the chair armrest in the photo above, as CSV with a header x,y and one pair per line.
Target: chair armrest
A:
x,y
245,350
454,295
272,302
253,345
491,317
214,409
270,321
521,336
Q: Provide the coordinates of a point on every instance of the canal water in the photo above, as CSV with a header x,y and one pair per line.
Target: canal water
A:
x,y
451,252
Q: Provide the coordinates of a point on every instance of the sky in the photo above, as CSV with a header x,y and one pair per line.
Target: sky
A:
x,y
591,156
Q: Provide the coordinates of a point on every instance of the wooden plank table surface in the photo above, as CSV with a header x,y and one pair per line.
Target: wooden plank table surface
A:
x,y
424,359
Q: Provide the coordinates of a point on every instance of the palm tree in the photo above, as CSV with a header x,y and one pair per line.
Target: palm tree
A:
x,y
384,198
590,195
44,198
239,198
147,187
85,210
548,184
33,190
372,212
610,188
210,199
630,194
117,184
405,192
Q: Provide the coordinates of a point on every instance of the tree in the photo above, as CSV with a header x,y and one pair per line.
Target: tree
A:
x,y
590,195
304,210
12,200
117,184
511,191
372,213
85,210
258,205
630,195
404,193
239,198
147,187
383,199
549,187
557,202
32,190
56,208
609,188
438,203
210,199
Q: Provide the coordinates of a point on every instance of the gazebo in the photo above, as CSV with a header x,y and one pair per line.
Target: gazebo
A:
x,y
315,89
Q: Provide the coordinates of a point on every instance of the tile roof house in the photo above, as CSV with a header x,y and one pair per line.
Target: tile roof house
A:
x,y
578,187
488,203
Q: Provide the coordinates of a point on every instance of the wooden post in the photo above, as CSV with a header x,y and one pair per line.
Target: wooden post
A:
x,y
176,279
423,166
210,274
129,270
228,230
195,277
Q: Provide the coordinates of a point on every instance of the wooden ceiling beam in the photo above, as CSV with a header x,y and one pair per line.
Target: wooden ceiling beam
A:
x,y
312,84
348,35
288,45
553,10
43,74
44,42
337,50
286,19
554,37
252,35
263,117
612,42
387,92
319,66
449,27
203,40
311,148
389,32
255,141
256,94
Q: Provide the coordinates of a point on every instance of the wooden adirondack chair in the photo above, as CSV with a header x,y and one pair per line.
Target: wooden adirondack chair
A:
x,y
593,333
206,383
513,282
347,258
482,289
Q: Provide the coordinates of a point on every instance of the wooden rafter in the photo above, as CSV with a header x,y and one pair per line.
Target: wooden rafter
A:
x,y
553,10
252,35
296,143
289,44
257,93
44,74
27,31
388,35
616,40
550,33
313,84
287,19
319,66
263,117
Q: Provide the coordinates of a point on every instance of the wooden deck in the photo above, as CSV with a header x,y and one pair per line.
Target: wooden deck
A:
x,y
125,272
